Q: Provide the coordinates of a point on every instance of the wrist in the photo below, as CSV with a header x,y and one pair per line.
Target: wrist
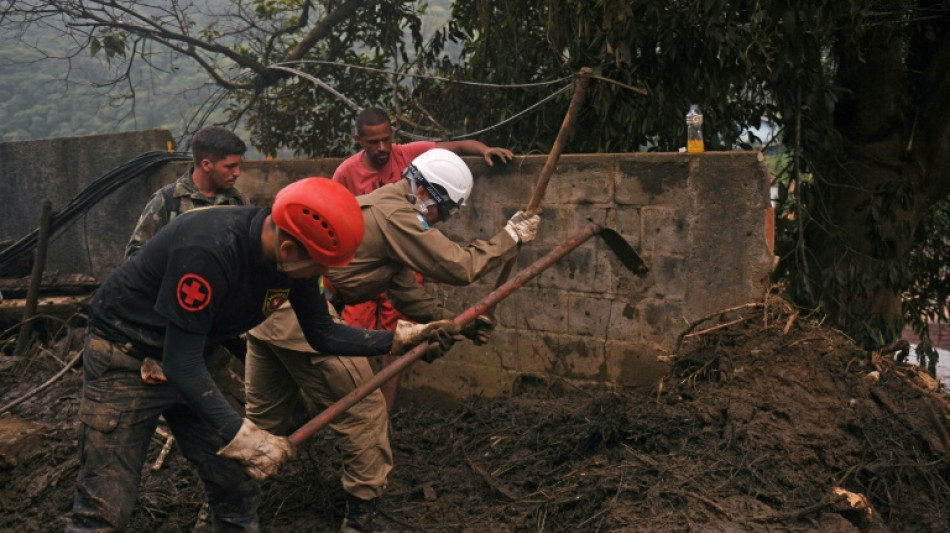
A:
x,y
513,234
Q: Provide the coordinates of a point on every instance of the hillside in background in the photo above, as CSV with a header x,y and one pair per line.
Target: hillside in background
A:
x,y
42,96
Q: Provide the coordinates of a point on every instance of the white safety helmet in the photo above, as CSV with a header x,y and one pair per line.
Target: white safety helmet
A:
x,y
445,177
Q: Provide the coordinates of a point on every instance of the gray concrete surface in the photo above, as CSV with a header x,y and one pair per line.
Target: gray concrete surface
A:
x,y
698,220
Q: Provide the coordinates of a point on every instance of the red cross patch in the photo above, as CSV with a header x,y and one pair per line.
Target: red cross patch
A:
x,y
194,292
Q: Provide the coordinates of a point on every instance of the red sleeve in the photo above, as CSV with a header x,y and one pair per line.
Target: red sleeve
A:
x,y
403,154
345,175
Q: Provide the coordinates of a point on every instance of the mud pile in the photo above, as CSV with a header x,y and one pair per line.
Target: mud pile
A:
x,y
766,422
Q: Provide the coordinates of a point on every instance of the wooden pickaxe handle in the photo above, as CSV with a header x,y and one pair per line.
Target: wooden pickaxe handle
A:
x,y
481,307
563,135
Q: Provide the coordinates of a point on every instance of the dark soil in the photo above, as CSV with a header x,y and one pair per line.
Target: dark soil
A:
x,y
753,428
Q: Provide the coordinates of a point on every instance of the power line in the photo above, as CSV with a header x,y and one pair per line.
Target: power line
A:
x,y
503,122
357,107
423,76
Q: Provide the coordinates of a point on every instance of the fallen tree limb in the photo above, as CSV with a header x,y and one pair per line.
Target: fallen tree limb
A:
x,y
44,386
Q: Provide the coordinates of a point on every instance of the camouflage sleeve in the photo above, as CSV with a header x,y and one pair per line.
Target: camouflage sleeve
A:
x,y
152,219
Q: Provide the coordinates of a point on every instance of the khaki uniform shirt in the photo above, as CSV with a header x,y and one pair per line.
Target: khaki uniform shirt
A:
x,y
397,242
157,215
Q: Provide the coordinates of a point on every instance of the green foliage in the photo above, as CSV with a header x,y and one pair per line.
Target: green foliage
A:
x,y
859,90
849,83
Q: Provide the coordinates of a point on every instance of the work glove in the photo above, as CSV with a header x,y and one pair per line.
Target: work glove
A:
x,y
260,452
523,227
152,372
479,330
441,336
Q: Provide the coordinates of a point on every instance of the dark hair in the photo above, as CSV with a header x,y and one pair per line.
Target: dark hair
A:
x,y
286,236
371,116
215,143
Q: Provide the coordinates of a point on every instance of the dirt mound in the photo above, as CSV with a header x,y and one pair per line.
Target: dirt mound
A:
x,y
766,423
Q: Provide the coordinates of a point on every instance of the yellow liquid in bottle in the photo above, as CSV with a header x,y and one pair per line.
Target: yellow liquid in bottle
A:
x,y
695,147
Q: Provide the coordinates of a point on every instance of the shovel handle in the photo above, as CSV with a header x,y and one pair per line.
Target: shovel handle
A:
x,y
481,307
577,98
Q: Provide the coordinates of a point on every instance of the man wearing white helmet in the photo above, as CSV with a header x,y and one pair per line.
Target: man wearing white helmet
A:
x,y
399,240
380,162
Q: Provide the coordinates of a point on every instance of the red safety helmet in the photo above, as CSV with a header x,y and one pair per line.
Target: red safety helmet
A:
x,y
324,216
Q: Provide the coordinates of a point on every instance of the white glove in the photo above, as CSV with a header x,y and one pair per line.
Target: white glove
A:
x,y
523,227
260,452
440,335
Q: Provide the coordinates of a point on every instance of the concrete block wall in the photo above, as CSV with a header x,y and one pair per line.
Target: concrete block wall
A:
x,y
697,220
58,170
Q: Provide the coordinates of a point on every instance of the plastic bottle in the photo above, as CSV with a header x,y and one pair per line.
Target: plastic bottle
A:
x,y
694,130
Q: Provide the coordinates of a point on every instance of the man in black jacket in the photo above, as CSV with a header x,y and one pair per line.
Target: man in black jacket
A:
x,y
208,276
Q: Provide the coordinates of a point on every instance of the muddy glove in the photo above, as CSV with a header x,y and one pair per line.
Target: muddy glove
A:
x,y
152,372
260,452
479,330
523,227
441,336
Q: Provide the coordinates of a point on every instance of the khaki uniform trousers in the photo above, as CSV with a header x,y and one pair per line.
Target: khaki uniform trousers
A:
x,y
277,379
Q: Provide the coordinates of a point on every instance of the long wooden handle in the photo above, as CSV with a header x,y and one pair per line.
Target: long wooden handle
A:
x,y
563,134
320,421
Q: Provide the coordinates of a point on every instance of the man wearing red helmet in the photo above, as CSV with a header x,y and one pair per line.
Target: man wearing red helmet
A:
x,y
399,240
210,275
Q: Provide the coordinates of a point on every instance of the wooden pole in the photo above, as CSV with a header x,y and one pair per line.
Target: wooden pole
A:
x,y
36,278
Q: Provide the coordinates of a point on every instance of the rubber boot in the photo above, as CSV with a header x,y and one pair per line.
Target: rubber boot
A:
x,y
360,515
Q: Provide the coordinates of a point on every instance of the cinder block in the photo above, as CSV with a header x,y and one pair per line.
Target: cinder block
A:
x,y
635,365
589,315
628,223
668,274
562,222
475,221
647,320
568,356
456,379
535,309
665,231
659,181
577,270
587,182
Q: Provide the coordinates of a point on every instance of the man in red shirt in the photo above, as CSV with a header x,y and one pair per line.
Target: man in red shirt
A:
x,y
380,162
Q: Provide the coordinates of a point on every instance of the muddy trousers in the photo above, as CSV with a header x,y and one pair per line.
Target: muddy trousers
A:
x,y
278,379
119,413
